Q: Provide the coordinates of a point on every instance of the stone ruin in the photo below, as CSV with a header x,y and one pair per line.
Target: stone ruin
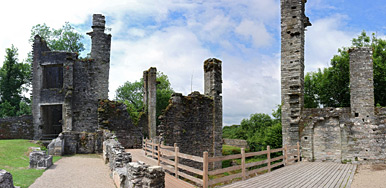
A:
x,y
6,180
70,97
194,122
39,159
128,174
351,134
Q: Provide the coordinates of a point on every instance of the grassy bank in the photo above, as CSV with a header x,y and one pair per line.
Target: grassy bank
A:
x,y
14,158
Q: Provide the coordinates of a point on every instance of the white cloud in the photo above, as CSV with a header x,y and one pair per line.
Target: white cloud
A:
x,y
255,31
324,38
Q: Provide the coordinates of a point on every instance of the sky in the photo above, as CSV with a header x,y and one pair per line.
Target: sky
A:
x,y
177,36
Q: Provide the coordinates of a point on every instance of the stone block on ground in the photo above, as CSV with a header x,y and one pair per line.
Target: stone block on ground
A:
x,y
40,160
6,179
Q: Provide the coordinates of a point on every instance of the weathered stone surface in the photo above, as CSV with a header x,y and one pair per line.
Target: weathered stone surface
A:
x,y
150,100
140,175
6,179
40,160
194,122
114,154
16,127
361,82
74,86
235,142
56,147
293,24
113,116
82,142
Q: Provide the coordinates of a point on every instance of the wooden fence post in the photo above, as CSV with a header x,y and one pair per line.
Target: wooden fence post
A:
x,y
176,149
152,148
285,155
205,166
243,162
145,147
269,158
159,154
298,152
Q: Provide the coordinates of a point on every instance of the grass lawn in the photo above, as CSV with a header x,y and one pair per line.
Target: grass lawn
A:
x,y
14,158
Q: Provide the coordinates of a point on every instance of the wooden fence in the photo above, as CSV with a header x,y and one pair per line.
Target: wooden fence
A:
x,y
164,154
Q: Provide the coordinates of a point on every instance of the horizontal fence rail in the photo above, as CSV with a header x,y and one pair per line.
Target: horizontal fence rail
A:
x,y
168,158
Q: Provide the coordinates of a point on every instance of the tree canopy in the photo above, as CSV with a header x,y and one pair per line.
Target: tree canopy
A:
x,y
131,94
63,39
14,78
259,130
330,87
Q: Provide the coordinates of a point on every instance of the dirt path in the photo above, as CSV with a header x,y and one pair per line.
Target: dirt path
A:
x,y
373,176
80,171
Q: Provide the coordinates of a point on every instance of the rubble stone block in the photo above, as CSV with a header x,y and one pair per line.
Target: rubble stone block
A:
x,y
40,160
6,179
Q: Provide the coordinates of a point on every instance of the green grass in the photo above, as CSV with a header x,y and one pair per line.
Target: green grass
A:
x,y
14,158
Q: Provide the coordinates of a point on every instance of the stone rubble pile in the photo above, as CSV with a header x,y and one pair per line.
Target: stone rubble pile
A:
x,y
127,174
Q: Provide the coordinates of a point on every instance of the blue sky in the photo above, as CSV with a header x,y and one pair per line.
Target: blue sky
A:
x,y
177,36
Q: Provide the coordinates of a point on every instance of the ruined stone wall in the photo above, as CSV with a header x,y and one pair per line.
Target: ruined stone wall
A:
x,y
293,24
188,121
361,82
321,133
235,142
334,134
17,127
85,97
113,116
213,89
60,78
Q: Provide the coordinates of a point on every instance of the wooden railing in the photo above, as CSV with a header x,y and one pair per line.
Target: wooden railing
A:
x,y
164,154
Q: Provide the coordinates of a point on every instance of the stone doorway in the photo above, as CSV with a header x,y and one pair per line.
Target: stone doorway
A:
x,y
52,121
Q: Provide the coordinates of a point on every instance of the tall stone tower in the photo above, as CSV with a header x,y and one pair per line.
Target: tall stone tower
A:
x,y
293,24
100,52
213,88
361,83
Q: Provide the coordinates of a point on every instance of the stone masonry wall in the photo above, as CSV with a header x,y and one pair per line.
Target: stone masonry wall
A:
x,y
113,116
17,127
235,142
361,82
127,174
293,24
334,134
188,121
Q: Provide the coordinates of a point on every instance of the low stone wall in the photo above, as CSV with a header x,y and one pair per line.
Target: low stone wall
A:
x,y
125,173
82,142
16,127
6,179
235,142
113,115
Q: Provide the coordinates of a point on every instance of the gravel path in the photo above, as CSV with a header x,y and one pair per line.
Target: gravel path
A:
x,y
80,171
373,176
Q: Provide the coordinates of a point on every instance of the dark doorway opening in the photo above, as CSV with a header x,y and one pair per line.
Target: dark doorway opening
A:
x,y
52,121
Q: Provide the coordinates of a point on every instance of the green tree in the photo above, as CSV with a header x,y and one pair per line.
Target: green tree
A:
x,y
330,87
259,130
131,94
14,78
64,39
